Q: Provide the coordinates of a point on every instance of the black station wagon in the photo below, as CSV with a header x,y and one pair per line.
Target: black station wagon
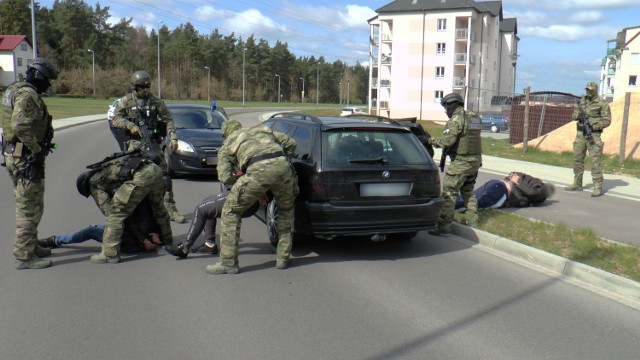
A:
x,y
357,177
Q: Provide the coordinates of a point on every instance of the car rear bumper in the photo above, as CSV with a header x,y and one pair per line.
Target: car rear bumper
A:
x,y
324,219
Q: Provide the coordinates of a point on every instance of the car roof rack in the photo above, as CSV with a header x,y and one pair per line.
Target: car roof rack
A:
x,y
301,116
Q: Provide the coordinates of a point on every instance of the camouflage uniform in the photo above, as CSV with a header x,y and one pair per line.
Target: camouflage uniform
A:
x,y
117,187
25,121
260,153
600,118
461,136
150,108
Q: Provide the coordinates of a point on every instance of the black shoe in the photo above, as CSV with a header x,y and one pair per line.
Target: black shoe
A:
x,y
179,251
207,248
48,243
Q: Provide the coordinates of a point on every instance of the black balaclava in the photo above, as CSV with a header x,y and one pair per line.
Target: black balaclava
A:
x,y
42,84
451,107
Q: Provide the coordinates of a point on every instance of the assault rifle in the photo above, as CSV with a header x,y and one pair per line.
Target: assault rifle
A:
x,y
583,123
443,158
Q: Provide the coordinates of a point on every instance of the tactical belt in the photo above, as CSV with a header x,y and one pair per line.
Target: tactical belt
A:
x,y
259,158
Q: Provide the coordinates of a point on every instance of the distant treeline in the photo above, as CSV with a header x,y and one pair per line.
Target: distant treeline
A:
x,y
71,27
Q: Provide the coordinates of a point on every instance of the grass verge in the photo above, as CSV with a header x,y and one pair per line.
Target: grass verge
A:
x,y
581,245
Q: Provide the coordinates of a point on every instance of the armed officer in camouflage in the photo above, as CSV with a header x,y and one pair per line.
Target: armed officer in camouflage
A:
x,y
26,142
461,140
118,184
598,116
139,112
261,154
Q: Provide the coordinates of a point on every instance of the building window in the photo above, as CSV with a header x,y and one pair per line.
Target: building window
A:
x,y
634,59
442,24
439,94
441,48
19,61
633,80
439,72
23,47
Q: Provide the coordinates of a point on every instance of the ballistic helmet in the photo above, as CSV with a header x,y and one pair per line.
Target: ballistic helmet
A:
x,y
82,183
229,127
141,78
592,85
44,69
452,97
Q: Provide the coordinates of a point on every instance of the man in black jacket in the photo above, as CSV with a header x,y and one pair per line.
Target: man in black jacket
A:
x,y
140,232
516,190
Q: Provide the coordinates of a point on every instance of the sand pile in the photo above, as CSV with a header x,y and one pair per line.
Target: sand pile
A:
x,y
562,138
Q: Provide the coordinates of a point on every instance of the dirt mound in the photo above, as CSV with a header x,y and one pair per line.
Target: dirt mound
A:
x,y
561,139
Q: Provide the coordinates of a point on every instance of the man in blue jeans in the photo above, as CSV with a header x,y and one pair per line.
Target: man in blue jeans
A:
x,y
140,233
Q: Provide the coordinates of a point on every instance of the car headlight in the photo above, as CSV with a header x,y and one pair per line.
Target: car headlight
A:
x,y
185,146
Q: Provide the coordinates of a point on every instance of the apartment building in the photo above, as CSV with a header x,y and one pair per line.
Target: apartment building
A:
x,y
15,53
621,66
421,50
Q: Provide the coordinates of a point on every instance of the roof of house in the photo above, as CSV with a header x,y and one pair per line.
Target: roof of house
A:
x,y
493,7
10,42
509,25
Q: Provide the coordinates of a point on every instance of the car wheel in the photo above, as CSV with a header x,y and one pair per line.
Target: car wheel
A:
x,y
167,159
272,227
494,128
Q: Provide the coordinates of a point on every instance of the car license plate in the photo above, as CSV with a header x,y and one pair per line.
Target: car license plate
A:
x,y
212,161
385,189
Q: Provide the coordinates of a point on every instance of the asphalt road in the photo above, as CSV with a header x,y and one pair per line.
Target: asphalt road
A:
x,y
429,298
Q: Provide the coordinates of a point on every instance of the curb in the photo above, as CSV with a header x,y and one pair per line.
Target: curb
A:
x,y
614,284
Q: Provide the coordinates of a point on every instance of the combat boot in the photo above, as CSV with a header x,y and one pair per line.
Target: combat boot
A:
x,y
597,190
471,218
440,231
282,264
33,262
220,268
576,186
41,252
175,216
104,259
49,243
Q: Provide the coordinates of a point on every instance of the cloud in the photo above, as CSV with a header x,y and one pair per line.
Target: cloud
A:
x,y
253,21
208,13
574,4
568,33
356,16
587,17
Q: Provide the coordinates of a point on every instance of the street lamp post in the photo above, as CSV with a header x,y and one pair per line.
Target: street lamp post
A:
x,y
93,63
318,84
244,51
302,89
208,84
278,88
159,91
348,90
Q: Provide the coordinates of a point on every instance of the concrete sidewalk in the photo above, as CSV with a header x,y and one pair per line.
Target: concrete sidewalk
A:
x,y
616,287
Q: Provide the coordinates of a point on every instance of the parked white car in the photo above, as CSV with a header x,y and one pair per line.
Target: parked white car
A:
x,y
352,111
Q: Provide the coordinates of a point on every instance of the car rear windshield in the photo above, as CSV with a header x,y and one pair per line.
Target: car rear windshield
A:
x,y
342,147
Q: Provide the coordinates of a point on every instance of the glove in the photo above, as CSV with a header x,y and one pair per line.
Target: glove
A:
x,y
37,157
135,130
174,145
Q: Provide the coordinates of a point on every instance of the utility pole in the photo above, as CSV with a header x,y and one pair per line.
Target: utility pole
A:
x,y
159,91
93,62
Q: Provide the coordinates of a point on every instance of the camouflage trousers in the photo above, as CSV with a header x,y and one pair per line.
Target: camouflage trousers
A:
x,y
460,178
29,195
273,175
146,182
580,147
169,202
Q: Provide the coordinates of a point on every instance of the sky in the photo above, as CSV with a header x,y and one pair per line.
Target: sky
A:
x,y
562,42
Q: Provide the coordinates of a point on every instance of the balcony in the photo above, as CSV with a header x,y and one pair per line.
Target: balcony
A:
x,y
385,59
611,71
384,104
385,83
374,82
458,82
611,52
460,58
462,34
387,37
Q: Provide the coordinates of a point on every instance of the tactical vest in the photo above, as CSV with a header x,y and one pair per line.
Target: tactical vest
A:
x,y
147,109
118,168
39,127
470,143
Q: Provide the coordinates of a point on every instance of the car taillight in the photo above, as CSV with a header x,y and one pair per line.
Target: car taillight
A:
x,y
318,191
